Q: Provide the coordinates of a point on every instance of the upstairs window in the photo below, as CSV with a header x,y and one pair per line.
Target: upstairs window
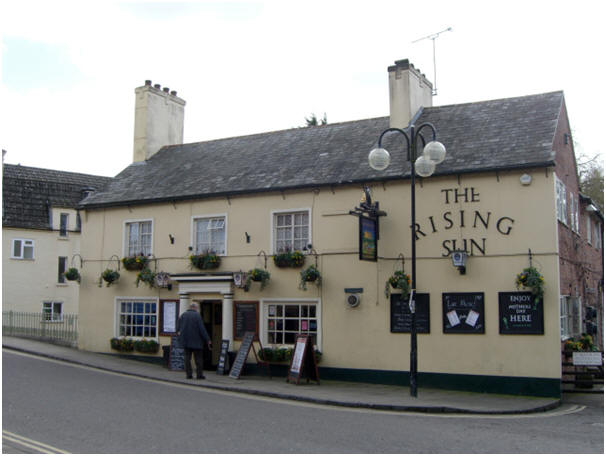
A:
x,y
138,238
209,233
22,249
574,215
561,202
291,231
63,224
589,228
61,269
52,311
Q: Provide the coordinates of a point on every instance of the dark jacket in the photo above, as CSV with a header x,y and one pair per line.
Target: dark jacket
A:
x,y
192,333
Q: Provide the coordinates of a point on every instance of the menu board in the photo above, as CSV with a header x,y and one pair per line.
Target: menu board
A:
x,y
176,357
223,365
303,361
242,355
169,313
401,317
245,318
463,313
519,313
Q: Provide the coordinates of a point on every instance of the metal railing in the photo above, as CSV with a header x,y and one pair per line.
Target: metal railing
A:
x,y
34,325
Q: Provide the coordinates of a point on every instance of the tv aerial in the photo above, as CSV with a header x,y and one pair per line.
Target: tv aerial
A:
x,y
433,37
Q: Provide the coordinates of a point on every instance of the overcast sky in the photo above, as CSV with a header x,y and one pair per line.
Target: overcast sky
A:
x,y
69,69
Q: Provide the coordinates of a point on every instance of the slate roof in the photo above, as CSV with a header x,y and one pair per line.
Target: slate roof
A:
x,y
27,193
489,135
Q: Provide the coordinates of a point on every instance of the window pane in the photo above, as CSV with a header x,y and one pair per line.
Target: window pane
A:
x,y
289,338
17,248
292,325
28,252
292,311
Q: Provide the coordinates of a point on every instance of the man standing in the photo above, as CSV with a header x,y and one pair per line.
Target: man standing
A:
x,y
192,334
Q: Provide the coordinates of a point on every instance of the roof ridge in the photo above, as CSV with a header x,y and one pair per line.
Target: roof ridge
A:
x,y
492,100
56,171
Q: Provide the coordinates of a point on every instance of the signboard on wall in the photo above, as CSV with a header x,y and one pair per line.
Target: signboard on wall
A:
x,y
520,314
245,318
368,236
401,318
169,313
463,313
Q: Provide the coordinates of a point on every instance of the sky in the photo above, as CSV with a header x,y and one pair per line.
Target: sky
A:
x,y
68,69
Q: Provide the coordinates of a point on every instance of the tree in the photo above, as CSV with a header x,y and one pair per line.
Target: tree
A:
x,y
313,121
591,178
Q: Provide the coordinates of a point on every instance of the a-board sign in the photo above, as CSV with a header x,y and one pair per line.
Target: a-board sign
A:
x,y
176,357
520,314
242,355
223,364
245,319
586,358
463,313
303,361
401,317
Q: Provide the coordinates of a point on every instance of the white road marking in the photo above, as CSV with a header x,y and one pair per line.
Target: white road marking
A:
x,y
39,447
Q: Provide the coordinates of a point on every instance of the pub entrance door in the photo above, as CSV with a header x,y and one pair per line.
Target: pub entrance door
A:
x,y
212,312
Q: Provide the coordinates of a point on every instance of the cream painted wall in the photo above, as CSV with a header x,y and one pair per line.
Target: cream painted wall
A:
x,y
27,283
360,337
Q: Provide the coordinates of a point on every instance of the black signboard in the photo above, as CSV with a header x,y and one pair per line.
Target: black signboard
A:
x,y
368,236
400,316
242,355
519,313
245,319
463,313
176,357
223,365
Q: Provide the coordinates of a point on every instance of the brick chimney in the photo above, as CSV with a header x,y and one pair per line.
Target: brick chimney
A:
x,y
409,90
158,120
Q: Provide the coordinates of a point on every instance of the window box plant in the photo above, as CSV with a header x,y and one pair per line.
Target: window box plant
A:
x,y
531,278
72,274
110,276
310,274
122,344
398,281
257,275
282,355
135,263
206,260
289,259
146,346
146,276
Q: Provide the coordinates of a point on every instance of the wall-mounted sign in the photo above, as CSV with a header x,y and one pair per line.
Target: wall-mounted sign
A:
x,y
463,313
368,235
520,314
245,318
169,312
401,318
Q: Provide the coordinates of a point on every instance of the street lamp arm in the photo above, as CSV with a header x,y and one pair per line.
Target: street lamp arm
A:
x,y
399,130
420,128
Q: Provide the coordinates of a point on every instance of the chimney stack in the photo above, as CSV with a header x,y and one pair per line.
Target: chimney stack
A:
x,y
409,91
158,120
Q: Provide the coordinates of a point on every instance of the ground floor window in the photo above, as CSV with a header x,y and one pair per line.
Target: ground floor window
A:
x,y
570,316
52,311
137,318
284,320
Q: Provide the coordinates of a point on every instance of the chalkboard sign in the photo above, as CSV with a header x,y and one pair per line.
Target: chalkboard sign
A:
x,y
401,318
176,357
242,355
520,314
303,361
246,319
223,365
463,313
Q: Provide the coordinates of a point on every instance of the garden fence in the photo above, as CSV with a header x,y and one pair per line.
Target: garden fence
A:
x,y
34,325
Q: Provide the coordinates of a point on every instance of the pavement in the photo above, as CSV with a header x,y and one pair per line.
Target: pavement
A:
x,y
333,393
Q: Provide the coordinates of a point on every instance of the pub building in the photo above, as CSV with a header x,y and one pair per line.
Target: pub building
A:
x,y
214,218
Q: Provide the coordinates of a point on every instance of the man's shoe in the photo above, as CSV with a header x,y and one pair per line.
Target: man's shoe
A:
x,y
200,377
188,377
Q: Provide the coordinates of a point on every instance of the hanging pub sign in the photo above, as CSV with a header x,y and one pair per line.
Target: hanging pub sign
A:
x,y
520,314
368,214
401,318
368,238
463,313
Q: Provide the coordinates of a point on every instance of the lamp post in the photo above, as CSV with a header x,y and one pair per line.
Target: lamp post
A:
x,y
433,153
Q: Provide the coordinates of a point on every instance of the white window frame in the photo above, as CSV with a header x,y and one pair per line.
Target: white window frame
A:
x,y
574,215
24,243
51,305
212,217
273,218
126,237
589,230
571,314
62,233
61,274
560,191
137,299
264,316
597,235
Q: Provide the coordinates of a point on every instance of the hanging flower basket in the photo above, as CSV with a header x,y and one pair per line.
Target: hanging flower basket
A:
x,y
135,263
310,274
147,276
257,275
288,259
110,276
72,274
531,278
208,260
398,281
